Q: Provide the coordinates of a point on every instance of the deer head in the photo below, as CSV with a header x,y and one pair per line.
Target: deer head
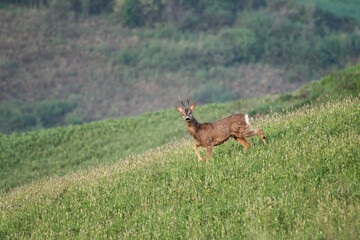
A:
x,y
187,111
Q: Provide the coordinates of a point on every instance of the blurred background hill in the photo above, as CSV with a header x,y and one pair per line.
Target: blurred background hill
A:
x,y
73,61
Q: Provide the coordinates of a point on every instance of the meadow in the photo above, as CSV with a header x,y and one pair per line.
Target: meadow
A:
x,y
304,184
26,157
67,62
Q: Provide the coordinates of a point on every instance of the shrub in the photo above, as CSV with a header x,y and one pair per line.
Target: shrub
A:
x,y
49,112
162,55
189,20
128,57
164,31
335,48
17,116
219,14
73,119
243,40
139,12
78,6
130,13
214,93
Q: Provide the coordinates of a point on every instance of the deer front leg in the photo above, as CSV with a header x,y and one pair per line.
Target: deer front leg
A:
x,y
243,142
208,153
197,152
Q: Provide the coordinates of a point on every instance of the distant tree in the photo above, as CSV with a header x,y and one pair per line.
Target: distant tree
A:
x,y
129,12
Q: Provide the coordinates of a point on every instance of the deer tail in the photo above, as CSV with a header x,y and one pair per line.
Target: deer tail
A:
x,y
247,120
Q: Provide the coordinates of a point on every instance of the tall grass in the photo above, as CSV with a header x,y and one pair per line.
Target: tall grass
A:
x,y
304,184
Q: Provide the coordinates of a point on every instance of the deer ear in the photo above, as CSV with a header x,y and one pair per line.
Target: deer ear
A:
x,y
192,107
179,109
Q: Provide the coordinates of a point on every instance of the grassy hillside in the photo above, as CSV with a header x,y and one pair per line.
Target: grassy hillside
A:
x,y
304,184
126,62
29,156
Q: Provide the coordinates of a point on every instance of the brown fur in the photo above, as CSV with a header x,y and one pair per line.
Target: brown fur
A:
x,y
208,135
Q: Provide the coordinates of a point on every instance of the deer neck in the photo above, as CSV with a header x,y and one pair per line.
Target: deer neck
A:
x,y
193,126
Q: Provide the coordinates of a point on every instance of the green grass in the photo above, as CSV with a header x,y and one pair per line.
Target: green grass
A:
x,y
305,184
25,157
28,156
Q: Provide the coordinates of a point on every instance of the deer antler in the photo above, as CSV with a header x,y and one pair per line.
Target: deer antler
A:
x,y
188,101
181,101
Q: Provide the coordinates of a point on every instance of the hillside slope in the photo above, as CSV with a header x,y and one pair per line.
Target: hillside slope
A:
x,y
304,184
25,157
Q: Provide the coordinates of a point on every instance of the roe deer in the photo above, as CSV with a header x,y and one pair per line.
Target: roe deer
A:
x,y
208,135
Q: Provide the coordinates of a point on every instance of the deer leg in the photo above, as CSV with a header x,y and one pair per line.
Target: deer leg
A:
x,y
252,132
243,142
208,152
197,152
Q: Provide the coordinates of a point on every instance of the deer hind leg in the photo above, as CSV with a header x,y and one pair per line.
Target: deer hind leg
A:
x,y
197,152
243,142
252,132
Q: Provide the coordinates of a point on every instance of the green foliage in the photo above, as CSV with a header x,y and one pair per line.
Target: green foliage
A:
x,y
78,6
16,116
73,119
220,13
204,15
289,39
261,36
27,3
335,48
304,184
139,12
128,57
214,93
188,14
244,43
130,13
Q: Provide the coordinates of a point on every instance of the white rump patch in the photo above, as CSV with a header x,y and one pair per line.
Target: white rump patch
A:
x,y
247,120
